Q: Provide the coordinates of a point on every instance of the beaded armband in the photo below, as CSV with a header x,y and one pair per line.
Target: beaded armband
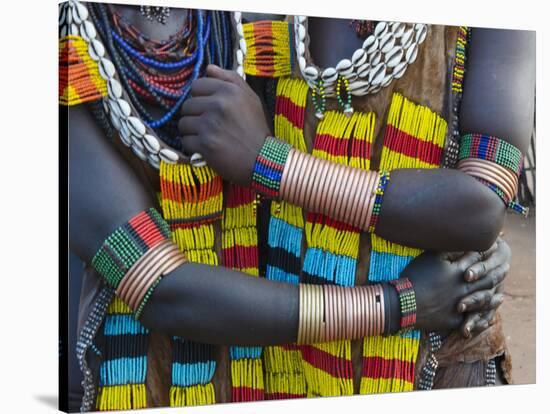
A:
x,y
268,169
407,302
495,163
382,184
135,256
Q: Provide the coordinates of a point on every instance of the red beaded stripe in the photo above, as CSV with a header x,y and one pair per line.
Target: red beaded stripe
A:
x,y
240,256
327,362
146,228
327,221
282,396
378,367
246,394
292,112
338,147
403,143
190,191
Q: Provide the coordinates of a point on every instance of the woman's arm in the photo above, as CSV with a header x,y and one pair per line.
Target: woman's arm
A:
x,y
215,304
499,86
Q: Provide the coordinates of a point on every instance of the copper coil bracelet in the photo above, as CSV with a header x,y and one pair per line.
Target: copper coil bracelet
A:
x,y
328,313
344,193
502,177
145,274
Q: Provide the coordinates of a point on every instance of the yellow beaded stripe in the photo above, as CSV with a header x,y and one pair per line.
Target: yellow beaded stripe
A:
x,y
240,252
420,131
190,197
269,51
79,79
336,137
284,374
120,397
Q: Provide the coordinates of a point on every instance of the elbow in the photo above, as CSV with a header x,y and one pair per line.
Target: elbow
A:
x,y
484,219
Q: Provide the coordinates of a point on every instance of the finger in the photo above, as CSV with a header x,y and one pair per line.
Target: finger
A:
x,y
189,125
486,319
469,323
196,105
495,302
190,144
468,259
214,71
207,86
476,301
491,280
480,269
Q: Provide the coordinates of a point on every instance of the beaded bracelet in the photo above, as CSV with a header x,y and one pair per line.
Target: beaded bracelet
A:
x,y
382,184
269,165
407,302
495,163
128,243
493,149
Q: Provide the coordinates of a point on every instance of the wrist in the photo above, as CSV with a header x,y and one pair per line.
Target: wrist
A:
x,y
393,310
134,258
268,167
407,303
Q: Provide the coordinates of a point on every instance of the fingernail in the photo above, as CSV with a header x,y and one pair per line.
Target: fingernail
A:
x,y
470,275
467,331
461,307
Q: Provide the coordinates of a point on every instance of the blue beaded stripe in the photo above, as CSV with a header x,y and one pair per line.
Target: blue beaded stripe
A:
x,y
291,43
339,269
384,266
241,352
121,324
192,373
286,237
123,371
410,334
279,275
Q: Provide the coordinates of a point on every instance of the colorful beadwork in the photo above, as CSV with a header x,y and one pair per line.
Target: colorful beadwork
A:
x,y
318,98
128,243
191,201
284,373
414,138
492,149
124,364
382,184
333,248
79,79
345,103
461,54
240,252
269,48
407,302
269,165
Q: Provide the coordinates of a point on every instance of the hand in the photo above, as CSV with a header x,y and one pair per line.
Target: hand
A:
x,y
480,307
224,121
439,285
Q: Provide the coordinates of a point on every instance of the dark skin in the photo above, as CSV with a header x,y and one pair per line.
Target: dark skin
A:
x,y
122,195
237,309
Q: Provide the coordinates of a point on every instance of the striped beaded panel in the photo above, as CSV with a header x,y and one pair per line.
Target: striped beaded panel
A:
x,y
191,200
333,248
457,82
269,48
284,376
414,138
79,79
124,364
240,252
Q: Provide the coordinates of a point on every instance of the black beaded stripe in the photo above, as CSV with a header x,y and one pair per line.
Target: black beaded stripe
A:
x,y
188,351
125,346
316,280
282,259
